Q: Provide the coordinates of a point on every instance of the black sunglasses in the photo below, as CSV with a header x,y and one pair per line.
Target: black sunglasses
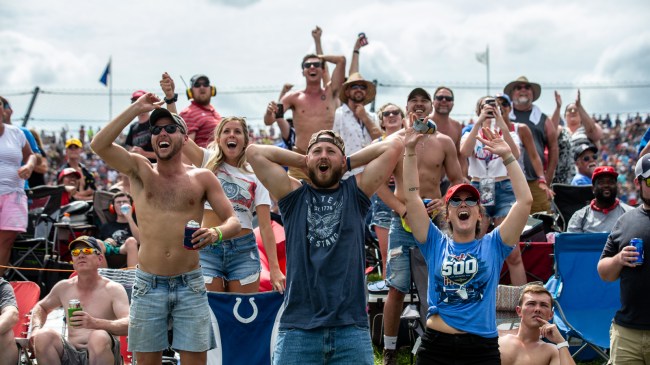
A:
x,y
470,202
388,113
587,158
522,86
198,84
169,128
317,64
358,86
444,97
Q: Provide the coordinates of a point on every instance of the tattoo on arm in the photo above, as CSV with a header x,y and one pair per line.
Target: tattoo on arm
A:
x,y
415,188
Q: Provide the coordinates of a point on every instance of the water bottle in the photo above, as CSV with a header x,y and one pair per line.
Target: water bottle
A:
x,y
66,218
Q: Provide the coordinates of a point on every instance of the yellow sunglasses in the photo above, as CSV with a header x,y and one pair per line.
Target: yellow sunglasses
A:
x,y
85,250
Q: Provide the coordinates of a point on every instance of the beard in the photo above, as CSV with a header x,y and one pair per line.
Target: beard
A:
x,y
645,199
325,183
606,201
175,149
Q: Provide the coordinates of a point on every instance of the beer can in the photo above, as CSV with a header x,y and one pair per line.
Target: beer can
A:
x,y
434,212
74,305
638,244
190,228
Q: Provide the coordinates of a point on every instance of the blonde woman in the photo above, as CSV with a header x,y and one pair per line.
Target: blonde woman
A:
x,y
234,265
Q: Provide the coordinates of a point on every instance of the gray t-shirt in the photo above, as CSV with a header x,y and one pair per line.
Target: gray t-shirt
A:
x,y
325,256
7,297
587,220
635,281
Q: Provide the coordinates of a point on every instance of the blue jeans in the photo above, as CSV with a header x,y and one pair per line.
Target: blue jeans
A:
x,y
381,213
329,345
504,199
160,301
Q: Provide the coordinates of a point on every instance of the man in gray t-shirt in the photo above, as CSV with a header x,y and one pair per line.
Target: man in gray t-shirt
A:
x,y
324,305
8,319
603,212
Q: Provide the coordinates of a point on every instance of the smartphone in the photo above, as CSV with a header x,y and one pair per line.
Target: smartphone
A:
x,y
364,40
280,112
493,103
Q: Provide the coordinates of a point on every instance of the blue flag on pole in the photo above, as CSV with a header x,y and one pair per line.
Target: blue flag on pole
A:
x,y
107,71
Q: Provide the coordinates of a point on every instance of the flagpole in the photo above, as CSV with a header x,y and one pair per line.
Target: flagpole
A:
x,y
110,89
487,67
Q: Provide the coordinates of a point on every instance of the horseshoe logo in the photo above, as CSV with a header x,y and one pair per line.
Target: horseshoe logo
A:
x,y
235,311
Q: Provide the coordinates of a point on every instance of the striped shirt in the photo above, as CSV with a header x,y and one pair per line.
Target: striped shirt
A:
x,y
201,120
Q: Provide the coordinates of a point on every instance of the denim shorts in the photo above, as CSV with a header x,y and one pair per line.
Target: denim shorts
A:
x,y
381,213
504,199
398,263
326,345
161,302
233,259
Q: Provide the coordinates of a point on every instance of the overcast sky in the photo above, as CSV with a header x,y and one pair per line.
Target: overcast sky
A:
x,y
249,48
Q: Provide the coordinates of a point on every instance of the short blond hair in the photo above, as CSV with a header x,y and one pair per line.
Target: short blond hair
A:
x,y
534,289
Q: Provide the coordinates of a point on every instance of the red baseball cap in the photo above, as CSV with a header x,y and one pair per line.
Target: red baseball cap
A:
x,y
603,170
137,94
461,187
69,171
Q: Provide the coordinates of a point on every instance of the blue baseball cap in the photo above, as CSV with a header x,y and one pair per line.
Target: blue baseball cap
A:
x,y
504,97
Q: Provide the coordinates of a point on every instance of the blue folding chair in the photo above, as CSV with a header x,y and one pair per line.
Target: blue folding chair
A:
x,y
585,304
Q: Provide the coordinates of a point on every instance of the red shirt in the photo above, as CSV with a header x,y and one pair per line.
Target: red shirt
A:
x,y
201,120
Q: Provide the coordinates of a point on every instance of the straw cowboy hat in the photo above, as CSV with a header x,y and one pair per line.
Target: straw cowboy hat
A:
x,y
537,90
356,78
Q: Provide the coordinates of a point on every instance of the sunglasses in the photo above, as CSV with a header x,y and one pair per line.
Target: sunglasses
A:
x,y
470,202
588,158
310,64
503,103
388,113
169,128
199,84
444,97
86,251
358,86
522,86
647,181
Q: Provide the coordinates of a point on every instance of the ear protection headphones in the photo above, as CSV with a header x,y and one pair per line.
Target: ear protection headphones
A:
x,y
188,91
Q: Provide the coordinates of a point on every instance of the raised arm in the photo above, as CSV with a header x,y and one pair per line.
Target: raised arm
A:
x,y
515,221
115,155
553,149
418,218
338,75
194,153
506,132
354,64
555,118
592,129
527,141
317,33
267,162
380,159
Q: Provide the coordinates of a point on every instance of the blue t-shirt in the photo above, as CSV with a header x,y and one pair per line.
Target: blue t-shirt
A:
x,y
581,179
325,256
32,143
465,278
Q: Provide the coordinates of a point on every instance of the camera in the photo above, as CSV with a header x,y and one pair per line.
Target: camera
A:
x,y
364,40
493,103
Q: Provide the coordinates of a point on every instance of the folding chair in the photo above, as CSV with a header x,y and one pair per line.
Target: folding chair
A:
x,y
568,199
27,294
585,304
33,247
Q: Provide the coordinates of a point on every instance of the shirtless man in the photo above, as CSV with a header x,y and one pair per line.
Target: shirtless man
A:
x,y
104,313
535,310
443,104
313,108
437,153
168,195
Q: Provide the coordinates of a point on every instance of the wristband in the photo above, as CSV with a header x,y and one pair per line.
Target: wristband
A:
x,y
171,100
541,179
562,344
356,51
508,160
347,160
218,231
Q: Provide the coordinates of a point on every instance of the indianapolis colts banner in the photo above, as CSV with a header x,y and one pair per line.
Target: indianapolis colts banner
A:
x,y
245,327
